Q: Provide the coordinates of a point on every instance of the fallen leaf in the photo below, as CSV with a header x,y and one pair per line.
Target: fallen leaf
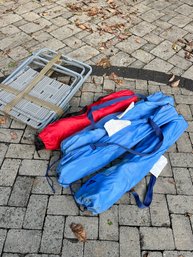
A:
x,y
6,52
182,41
175,83
110,1
83,26
115,78
122,36
187,55
2,120
104,62
109,222
74,7
174,46
146,254
188,214
93,11
79,231
137,40
13,135
171,181
172,78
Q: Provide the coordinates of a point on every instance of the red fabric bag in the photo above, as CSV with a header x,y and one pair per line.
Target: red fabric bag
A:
x,y
52,135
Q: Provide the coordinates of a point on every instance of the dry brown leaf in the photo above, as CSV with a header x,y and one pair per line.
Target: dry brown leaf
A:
x,y
188,214
181,40
44,13
122,37
104,62
187,55
137,40
171,181
172,78
146,254
174,46
79,231
93,11
83,26
74,7
2,120
115,78
175,83
13,135
110,1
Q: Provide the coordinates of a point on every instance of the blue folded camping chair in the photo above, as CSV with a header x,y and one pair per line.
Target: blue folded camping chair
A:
x,y
104,189
90,150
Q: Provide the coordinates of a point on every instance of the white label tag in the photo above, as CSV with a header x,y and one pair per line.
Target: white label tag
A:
x,y
128,109
159,166
113,126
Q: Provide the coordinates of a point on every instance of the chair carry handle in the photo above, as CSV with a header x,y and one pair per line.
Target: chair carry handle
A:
x,y
155,128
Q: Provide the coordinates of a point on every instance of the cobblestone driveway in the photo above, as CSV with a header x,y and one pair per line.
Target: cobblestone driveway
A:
x,y
33,221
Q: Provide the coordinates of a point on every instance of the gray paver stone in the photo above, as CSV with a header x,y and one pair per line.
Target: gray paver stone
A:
x,y
184,99
52,235
183,181
109,85
41,186
152,254
133,216
165,186
157,238
173,33
8,172
20,151
21,191
36,211
185,111
101,248
188,74
4,195
129,242
72,249
22,241
181,159
3,233
151,15
121,59
130,45
177,254
184,144
158,65
159,211
33,168
108,224
86,98
142,28
163,50
62,205
11,217
182,232
89,223
10,135
84,53
3,149
180,204
143,56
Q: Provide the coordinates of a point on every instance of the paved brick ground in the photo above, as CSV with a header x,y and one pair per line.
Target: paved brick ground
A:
x,y
33,221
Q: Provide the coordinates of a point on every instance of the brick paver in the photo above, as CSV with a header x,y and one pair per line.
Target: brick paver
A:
x,y
34,222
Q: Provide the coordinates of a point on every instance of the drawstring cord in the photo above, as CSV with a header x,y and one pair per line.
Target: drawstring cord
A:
x,y
49,179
